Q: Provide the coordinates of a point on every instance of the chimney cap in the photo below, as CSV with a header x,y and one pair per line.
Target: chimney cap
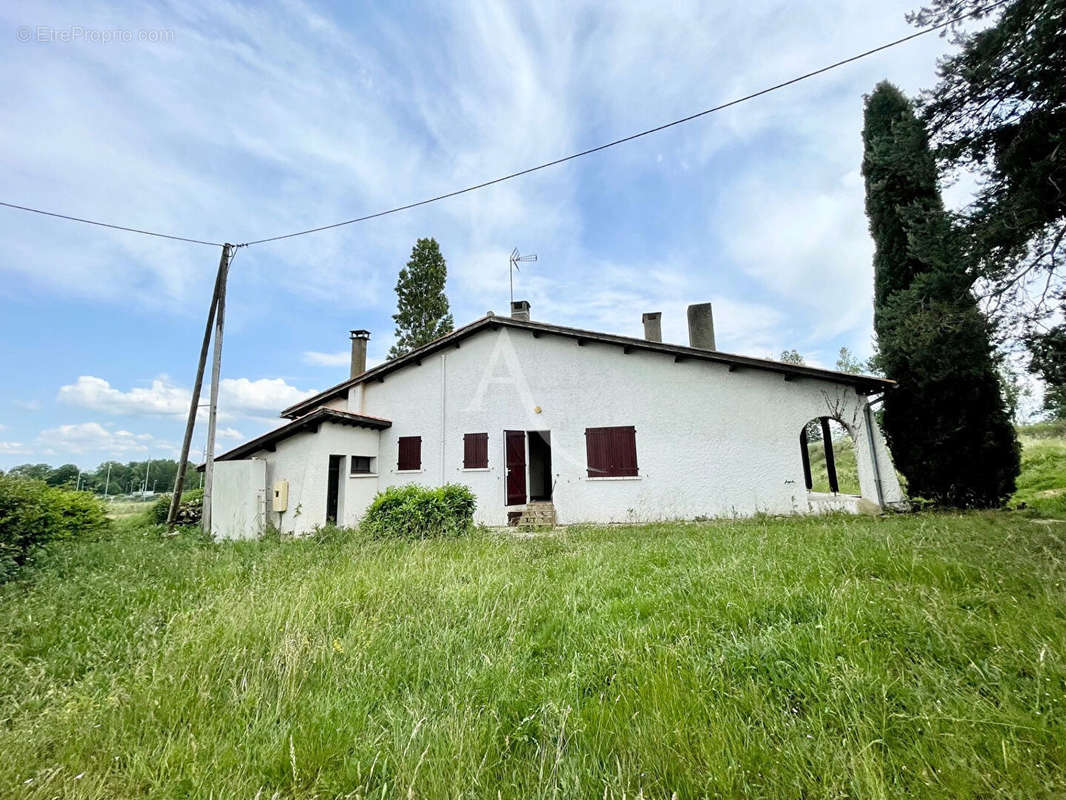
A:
x,y
360,334
520,309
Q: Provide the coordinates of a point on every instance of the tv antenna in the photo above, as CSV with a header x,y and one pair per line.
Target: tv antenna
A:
x,y
515,259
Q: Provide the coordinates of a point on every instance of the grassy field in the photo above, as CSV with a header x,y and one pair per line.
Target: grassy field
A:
x,y
1042,484
846,467
837,657
125,509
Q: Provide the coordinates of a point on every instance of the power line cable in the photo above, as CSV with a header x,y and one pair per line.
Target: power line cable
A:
x,y
633,136
109,225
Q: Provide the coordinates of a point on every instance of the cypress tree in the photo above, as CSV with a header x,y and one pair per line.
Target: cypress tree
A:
x,y
946,422
422,312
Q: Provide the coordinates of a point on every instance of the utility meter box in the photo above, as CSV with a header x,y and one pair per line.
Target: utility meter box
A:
x,y
281,496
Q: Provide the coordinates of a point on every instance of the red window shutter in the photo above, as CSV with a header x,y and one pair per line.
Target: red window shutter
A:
x,y
595,452
611,452
475,450
410,455
624,452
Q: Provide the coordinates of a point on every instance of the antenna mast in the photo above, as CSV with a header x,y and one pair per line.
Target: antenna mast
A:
x,y
514,261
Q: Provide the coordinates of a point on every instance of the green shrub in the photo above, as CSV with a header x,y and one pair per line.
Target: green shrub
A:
x,y
418,512
190,511
80,514
32,513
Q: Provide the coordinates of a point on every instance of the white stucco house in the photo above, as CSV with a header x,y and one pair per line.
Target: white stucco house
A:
x,y
552,423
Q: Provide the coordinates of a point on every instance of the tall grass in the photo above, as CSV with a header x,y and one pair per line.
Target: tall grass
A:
x,y
844,460
1042,482
829,657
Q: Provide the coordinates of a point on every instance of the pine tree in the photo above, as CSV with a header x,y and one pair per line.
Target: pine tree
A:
x,y
946,422
422,313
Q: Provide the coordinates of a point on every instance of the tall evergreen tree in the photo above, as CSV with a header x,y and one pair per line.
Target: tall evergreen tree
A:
x,y
999,110
946,422
422,313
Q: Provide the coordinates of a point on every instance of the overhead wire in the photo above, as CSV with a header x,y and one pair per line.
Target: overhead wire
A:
x,y
631,137
109,225
554,162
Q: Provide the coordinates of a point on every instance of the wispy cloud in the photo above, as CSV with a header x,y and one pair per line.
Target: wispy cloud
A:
x,y
93,437
341,358
256,121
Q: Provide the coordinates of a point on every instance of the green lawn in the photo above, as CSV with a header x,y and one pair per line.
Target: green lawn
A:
x,y
836,657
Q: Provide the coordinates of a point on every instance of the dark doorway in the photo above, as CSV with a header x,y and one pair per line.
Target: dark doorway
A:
x,y
540,465
515,444
333,488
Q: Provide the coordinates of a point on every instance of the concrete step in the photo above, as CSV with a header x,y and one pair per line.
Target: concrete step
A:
x,y
538,514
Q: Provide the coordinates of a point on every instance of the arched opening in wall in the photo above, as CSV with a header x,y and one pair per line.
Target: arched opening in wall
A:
x,y
828,452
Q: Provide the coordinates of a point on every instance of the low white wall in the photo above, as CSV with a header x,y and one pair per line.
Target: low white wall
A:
x,y
238,499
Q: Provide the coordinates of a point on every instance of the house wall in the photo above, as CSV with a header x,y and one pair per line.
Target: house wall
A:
x,y
303,461
709,442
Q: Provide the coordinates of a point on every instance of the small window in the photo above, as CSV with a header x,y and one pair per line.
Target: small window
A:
x,y
410,457
611,452
475,451
362,465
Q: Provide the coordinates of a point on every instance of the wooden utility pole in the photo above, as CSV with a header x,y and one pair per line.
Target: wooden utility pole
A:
x,y
194,404
216,370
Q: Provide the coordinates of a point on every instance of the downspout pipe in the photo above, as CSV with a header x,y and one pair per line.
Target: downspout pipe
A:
x,y
868,415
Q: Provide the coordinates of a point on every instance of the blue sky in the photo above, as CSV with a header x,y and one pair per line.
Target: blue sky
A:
x,y
247,121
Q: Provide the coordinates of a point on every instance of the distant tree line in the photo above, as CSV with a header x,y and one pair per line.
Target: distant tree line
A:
x,y
110,477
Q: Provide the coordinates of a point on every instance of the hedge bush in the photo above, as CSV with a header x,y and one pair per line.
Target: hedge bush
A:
x,y
190,510
32,513
418,512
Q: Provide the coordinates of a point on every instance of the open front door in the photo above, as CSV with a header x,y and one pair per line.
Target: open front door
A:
x,y
515,443
333,488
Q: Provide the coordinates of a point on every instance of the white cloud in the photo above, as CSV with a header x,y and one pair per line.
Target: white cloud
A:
x,y
815,263
97,394
229,433
91,437
237,397
13,448
263,397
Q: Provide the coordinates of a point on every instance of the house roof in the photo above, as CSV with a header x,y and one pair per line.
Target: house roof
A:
x,y
307,422
863,383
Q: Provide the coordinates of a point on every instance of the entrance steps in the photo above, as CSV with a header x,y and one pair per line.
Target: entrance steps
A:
x,y
537,514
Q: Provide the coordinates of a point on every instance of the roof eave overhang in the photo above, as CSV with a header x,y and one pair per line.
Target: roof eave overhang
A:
x,y
307,423
864,384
